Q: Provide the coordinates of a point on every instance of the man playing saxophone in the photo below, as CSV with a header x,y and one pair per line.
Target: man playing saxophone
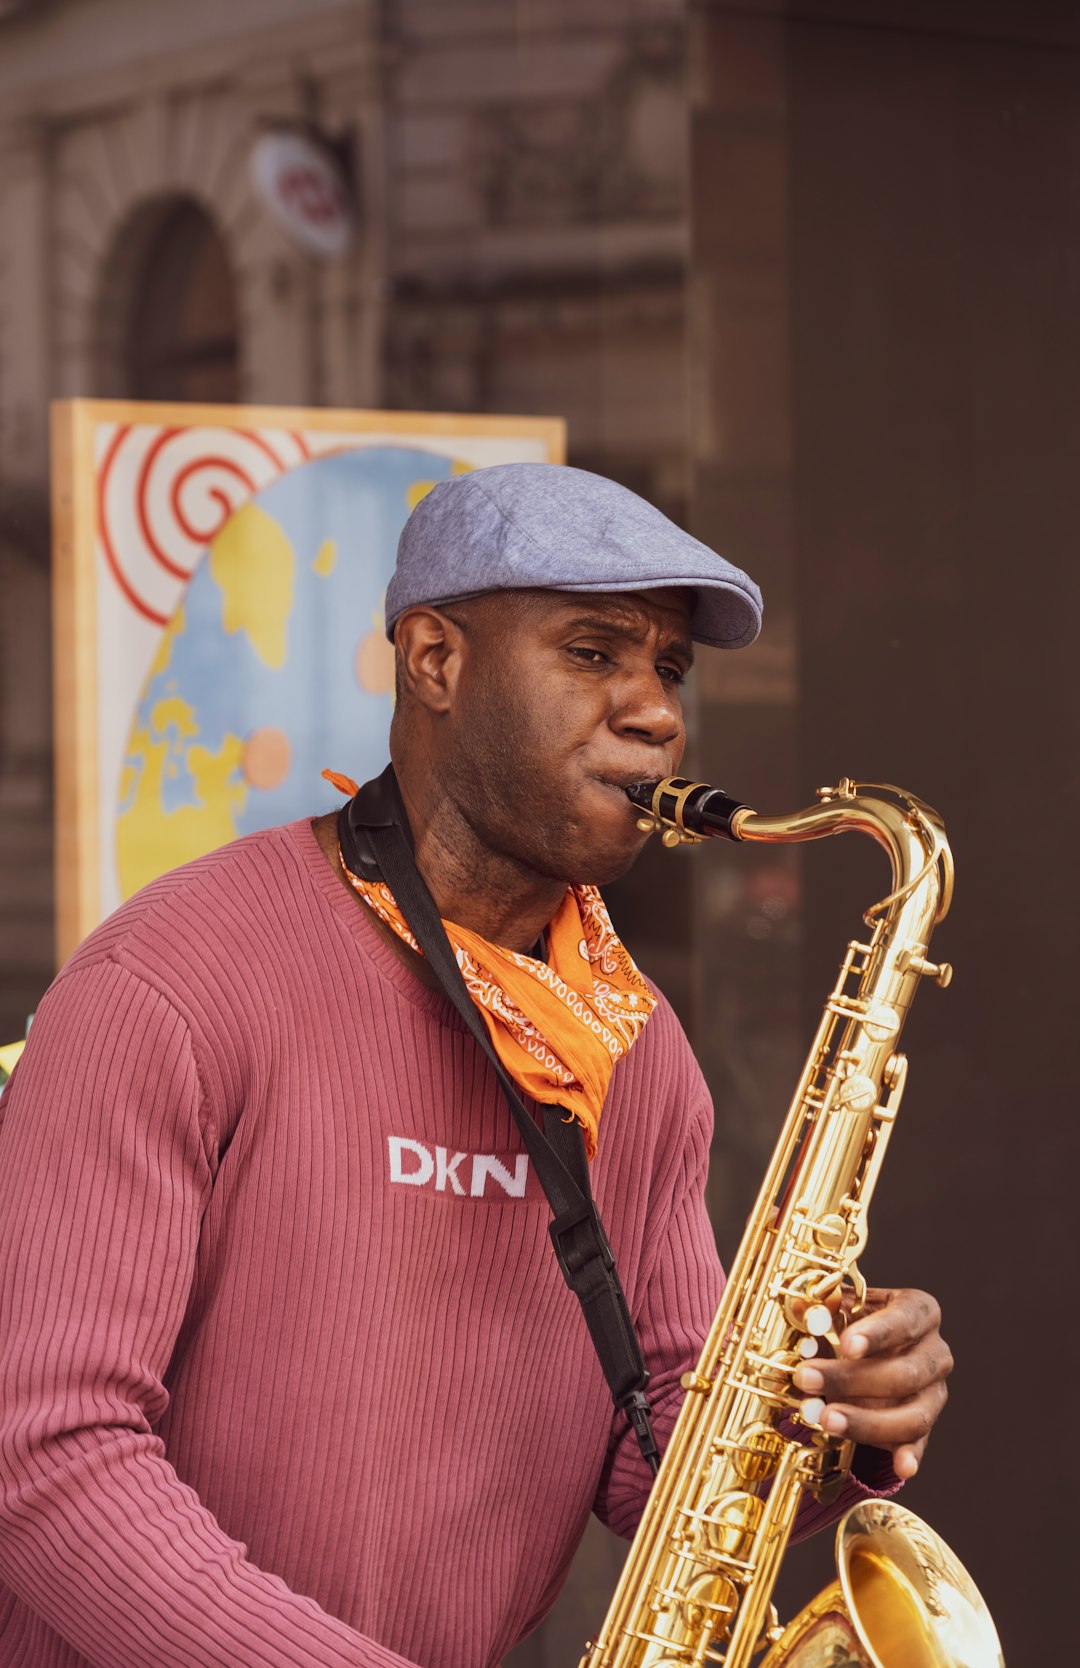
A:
x,y
289,1373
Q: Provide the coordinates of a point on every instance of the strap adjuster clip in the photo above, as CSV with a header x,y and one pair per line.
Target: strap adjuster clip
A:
x,y
574,1258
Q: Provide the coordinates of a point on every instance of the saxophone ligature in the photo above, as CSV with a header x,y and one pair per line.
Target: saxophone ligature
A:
x,y
747,1448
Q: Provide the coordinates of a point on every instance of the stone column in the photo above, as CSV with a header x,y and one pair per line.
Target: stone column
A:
x,y
277,282
25,660
353,289
25,375
25,293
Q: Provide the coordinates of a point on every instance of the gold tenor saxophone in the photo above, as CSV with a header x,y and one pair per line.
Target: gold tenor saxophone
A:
x,y
697,1585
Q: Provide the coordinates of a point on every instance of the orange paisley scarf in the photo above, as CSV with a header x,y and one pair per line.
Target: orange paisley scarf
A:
x,y
558,1026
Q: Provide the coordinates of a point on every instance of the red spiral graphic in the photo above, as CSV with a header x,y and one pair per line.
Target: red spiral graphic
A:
x,y
215,493
107,545
164,494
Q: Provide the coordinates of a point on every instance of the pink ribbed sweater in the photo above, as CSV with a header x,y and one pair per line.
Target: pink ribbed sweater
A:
x,y
289,1376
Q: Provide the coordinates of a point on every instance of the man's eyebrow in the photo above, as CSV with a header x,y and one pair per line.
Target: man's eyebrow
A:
x,y
675,644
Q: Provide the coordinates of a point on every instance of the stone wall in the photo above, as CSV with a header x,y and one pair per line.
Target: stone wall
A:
x,y
537,160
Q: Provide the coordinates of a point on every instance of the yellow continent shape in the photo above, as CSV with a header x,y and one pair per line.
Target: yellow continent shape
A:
x,y
172,712
173,630
151,840
253,561
326,558
418,491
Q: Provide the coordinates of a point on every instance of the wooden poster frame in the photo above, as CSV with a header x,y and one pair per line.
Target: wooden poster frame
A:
x,y
75,579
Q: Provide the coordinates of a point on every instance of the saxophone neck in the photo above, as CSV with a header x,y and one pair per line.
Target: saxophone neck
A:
x,y
685,812
908,830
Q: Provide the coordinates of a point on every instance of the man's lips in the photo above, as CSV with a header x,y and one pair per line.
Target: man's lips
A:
x,y
651,772
619,788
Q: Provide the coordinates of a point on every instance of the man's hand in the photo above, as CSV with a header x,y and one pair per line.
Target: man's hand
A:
x,y
887,1385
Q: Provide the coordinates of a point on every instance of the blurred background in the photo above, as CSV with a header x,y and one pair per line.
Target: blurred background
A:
x,y
808,277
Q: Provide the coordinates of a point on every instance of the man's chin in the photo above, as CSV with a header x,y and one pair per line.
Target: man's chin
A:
x,y
608,863
609,875
613,841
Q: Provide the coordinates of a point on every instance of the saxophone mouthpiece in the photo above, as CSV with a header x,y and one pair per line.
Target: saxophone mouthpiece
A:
x,y
685,811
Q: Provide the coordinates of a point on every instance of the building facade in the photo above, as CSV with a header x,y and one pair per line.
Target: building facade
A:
x,y
518,173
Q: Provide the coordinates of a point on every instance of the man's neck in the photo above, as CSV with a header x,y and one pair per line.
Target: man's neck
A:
x,y
489,893
325,831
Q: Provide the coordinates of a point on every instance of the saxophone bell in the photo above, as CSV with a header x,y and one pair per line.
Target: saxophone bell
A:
x,y
902,1599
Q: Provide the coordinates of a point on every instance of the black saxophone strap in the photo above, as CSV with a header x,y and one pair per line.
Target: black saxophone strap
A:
x,y
376,842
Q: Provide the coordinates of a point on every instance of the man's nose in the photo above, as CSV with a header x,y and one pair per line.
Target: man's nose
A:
x,y
649,709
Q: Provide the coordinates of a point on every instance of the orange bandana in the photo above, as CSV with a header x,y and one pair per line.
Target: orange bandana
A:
x,y
558,1026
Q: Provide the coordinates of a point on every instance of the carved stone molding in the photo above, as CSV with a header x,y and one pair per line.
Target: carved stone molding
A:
x,y
574,160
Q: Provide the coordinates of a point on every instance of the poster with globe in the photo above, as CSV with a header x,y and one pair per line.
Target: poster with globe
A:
x,y
219,577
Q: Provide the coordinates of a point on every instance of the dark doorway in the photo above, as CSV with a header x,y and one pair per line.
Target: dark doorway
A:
x,y
168,324
183,342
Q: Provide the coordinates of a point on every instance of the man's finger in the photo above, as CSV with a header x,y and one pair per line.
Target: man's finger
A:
x,y
907,1459
889,1378
908,1425
904,1317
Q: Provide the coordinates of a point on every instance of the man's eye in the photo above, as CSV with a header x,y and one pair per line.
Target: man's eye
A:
x,y
672,674
591,657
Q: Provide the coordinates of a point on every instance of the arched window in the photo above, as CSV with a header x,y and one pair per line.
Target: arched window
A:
x,y
169,320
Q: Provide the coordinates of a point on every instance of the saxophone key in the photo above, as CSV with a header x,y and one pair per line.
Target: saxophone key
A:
x,y
811,1301
857,1093
818,1320
882,1022
811,1410
830,1231
894,1076
730,1522
757,1453
709,1604
940,972
768,1375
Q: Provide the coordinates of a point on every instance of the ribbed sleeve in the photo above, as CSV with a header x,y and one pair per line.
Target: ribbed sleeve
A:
x,y
105,1177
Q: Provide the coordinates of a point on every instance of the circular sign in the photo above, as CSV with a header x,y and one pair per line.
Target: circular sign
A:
x,y
303,184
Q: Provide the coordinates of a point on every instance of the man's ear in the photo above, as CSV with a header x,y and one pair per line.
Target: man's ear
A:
x,y
431,649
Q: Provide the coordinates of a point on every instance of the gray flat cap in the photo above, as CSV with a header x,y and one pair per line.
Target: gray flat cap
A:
x,y
522,525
